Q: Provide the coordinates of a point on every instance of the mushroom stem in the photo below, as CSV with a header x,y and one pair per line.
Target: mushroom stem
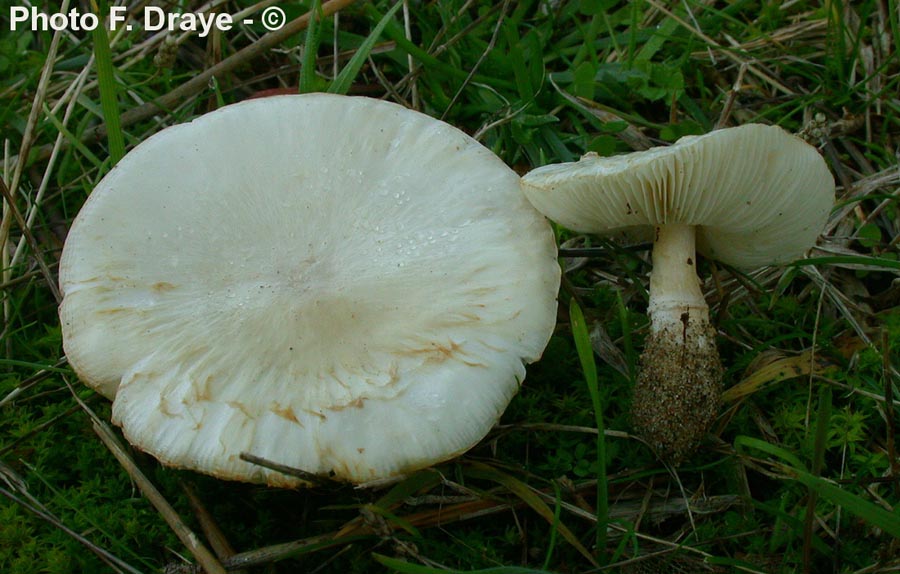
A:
x,y
674,285
676,396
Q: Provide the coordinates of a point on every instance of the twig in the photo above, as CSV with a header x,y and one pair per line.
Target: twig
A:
x,y
23,278
732,97
26,231
187,536
358,529
32,505
73,93
28,136
43,426
487,50
211,530
197,83
201,80
435,50
33,380
413,86
760,74
315,479
633,137
270,554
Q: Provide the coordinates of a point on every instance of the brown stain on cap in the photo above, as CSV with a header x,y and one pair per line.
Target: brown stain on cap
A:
x,y
286,413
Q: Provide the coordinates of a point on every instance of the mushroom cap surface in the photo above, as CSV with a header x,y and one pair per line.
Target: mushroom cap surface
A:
x,y
335,284
757,194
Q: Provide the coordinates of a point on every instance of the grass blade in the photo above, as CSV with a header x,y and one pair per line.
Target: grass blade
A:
x,y
586,356
628,344
524,492
395,32
417,482
821,434
109,98
308,80
71,138
743,442
874,262
552,543
341,84
868,511
517,61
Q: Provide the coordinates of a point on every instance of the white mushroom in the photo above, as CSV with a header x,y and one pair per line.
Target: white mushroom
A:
x,y
339,285
747,196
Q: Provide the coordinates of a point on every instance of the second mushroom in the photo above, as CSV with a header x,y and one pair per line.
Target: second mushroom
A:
x,y
747,196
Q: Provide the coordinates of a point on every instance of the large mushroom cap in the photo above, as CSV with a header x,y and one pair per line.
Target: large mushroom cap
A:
x,y
757,194
335,284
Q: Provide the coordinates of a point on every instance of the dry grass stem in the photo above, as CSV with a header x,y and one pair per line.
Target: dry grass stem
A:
x,y
190,540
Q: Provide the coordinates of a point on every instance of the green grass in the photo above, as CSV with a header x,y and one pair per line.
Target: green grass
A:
x,y
799,472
